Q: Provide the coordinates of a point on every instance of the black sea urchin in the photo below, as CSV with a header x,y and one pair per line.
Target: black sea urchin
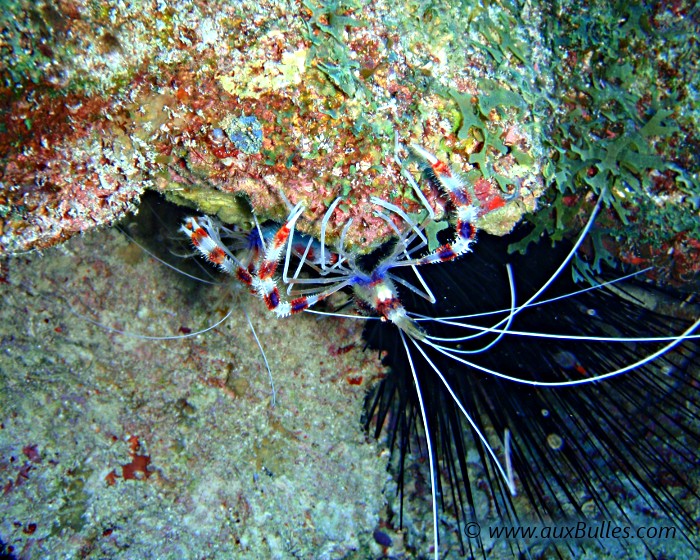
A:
x,y
610,466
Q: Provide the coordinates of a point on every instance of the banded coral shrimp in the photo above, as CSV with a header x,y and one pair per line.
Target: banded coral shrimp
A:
x,y
199,408
562,472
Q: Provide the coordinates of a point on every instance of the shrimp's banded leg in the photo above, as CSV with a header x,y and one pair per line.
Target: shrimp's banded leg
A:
x,y
259,274
445,179
273,252
203,234
264,282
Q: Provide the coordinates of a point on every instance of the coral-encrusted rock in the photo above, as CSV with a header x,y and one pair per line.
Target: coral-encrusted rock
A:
x,y
216,105
65,173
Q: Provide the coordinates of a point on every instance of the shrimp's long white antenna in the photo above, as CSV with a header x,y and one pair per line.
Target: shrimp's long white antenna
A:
x,y
165,263
489,449
571,254
586,338
511,283
419,317
264,357
324,225
433,467
411,181
149,337
678,340
483,330
343,315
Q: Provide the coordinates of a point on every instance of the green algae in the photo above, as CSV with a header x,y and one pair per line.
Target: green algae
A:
x,y
620,120
329,52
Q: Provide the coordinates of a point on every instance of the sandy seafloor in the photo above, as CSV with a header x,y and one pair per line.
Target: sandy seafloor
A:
x,y
229,475
118,447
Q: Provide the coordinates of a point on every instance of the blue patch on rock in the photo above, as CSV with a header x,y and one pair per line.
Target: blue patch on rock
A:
x,y
246,134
